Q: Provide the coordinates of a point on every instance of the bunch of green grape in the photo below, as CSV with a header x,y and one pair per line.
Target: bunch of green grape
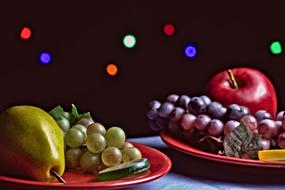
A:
x,y
90,147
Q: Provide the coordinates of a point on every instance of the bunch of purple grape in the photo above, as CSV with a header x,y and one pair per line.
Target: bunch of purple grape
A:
x,y
183,115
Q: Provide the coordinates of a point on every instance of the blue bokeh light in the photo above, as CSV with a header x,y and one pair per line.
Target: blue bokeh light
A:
x,y
190,51
45,58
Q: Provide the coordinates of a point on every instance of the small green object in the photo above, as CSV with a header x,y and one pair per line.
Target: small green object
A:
x,y
129,41
57,112
124,170
276,48
74,115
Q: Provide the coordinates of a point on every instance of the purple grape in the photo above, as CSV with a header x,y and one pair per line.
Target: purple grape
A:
x,y
172,98
206,100
188,135
176,114
234,107
244,110
280,116
267,128
283,124
201,122
273,143
184,101
215,127
174,128
261,115
282,120
197,106
165,109
250,121
234,112
162,123
278,125
230,126
187,121
153,125
213,107
152,114
281,140
154,105
264,144
220,113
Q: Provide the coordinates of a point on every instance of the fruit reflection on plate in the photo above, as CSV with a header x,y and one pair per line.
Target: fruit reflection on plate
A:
x,y
187,149
160,165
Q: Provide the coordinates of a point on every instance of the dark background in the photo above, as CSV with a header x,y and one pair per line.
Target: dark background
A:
x,y
84,37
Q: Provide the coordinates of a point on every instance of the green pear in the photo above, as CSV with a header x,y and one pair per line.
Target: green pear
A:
x,y
31,144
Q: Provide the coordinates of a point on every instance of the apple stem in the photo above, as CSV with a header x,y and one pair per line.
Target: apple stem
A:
x,y
233,81
58,177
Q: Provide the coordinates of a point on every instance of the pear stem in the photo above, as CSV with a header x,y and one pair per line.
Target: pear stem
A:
x,y
233,81
58,177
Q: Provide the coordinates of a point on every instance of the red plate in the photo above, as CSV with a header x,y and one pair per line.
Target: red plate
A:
x,y
160,165
187,149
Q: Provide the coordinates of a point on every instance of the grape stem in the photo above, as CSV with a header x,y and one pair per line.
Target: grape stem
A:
x,y
211,137
58,177
233,81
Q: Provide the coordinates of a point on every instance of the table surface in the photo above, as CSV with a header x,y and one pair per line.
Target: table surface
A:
x,y
190,173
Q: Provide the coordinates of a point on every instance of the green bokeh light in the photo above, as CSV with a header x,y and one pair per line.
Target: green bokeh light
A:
x,y
129,41
276,47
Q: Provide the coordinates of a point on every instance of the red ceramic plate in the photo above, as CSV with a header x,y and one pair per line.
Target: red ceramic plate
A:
x,y
187,149
160,165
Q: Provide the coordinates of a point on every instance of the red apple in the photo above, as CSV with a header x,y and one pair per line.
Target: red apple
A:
x,y
244,86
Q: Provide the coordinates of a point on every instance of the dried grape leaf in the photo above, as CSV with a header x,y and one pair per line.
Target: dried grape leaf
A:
x,y
210,144
242,143
73,114
57,112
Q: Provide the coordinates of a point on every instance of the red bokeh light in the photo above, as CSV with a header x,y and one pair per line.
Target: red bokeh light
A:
x,y
169,29
25,33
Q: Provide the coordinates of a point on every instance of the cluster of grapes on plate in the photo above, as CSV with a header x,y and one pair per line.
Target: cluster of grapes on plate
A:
x,y
91,148
200,118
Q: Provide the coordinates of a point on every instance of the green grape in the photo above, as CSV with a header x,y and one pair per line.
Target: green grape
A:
x,y
115,136
85,121
74,138
72,158
82,128
111,156
89,162
131,154
127,144
96,128
96,143
63,124
66,115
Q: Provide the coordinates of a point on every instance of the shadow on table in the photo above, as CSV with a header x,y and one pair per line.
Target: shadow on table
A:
x,y
206,169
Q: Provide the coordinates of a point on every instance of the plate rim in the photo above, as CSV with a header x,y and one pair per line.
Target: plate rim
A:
x,y
187,149
99,185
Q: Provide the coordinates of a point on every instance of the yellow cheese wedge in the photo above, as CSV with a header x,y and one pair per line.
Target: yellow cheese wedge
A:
x,y
272,155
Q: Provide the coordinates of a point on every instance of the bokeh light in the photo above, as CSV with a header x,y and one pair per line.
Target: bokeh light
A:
x,y
190,51
112,69
45,58
25,33
276,47
129,41
169,29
